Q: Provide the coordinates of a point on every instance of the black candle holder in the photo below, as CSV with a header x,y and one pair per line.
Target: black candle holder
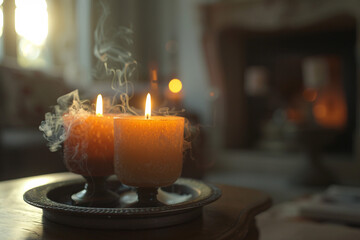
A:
x,y
95,194
147,197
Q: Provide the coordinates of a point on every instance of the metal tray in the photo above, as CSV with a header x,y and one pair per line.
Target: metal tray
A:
x,y
55,201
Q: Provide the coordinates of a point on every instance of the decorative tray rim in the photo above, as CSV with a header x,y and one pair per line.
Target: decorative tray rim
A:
x,y
37,197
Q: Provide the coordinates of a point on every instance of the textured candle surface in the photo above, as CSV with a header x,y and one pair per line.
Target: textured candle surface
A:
x,y
148,152
89,146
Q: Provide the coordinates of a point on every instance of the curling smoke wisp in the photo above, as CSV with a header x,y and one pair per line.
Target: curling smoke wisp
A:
x,y
115,60
115,64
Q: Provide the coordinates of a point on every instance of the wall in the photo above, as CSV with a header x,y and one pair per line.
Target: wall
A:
x,y
192,67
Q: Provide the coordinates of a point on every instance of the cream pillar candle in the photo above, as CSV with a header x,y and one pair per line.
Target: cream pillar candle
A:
x,y
148,150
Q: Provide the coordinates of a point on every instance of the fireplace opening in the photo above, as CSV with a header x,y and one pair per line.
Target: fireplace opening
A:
x,y
278,83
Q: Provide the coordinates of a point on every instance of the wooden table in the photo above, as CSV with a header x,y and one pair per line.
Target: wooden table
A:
x,y
230,217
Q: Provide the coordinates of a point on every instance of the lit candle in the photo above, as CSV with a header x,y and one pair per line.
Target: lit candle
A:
x,y
148,150
89,146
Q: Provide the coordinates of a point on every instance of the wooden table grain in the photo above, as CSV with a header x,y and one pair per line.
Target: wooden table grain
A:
x,y
230,217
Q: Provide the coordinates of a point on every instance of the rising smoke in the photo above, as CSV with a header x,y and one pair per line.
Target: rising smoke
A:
x,y
53,125
115,59
115,63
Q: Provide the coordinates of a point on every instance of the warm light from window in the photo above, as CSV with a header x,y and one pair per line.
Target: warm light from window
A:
x,y
31,25
1,18
31,20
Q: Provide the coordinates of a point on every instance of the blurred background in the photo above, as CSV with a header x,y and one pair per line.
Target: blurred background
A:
x,y
271,84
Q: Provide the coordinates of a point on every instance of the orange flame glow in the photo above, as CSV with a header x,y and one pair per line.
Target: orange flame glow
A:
x,y
148,107
99,105
154,75
310,94
330,109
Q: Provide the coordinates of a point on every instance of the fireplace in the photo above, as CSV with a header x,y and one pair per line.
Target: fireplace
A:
x,y
282,67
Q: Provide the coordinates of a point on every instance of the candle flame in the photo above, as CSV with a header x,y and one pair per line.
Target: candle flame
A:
x,y
148,107
99,105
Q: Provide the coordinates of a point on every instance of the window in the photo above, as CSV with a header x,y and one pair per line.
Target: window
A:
x,y
31,26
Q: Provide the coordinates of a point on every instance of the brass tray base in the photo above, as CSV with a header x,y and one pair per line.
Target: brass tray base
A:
x,y
183,202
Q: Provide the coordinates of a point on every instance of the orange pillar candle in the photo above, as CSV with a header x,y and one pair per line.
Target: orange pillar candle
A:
x,y
148,150
89,144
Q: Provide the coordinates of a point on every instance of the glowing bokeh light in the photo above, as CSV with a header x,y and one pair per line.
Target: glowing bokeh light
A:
x,y
175,85
154,75
28,50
